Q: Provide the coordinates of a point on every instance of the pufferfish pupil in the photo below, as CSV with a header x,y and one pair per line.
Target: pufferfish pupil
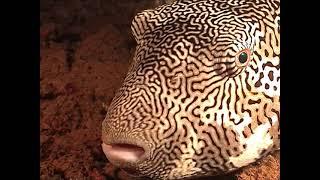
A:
x,y
243,57
202,94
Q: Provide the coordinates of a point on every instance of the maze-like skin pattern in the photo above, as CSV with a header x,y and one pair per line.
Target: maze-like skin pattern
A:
x,y
189,99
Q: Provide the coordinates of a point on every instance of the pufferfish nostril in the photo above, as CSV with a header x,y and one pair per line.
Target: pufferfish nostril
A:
x,y
122,153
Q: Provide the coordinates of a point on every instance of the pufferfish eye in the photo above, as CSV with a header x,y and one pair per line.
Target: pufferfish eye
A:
x,y
243,57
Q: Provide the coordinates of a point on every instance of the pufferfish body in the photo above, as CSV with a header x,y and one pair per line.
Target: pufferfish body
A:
x,y
202,95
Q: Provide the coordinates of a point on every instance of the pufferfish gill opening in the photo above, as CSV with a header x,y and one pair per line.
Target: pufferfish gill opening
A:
x,y
202,96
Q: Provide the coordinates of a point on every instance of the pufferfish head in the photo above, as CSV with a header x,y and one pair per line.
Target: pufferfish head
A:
x,y
202,96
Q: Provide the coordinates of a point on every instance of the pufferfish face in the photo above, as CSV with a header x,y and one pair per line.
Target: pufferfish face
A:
x,y
202,96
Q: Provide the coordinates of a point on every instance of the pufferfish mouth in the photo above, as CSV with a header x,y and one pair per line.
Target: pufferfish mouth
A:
x,y
123,152
125,155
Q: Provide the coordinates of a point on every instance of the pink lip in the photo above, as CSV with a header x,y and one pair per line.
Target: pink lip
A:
x,y
122,152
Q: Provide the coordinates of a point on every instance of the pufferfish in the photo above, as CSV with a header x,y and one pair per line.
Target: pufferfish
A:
x,y
202,95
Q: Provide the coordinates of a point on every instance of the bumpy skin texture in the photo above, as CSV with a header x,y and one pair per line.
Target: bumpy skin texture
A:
x,y
190,99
